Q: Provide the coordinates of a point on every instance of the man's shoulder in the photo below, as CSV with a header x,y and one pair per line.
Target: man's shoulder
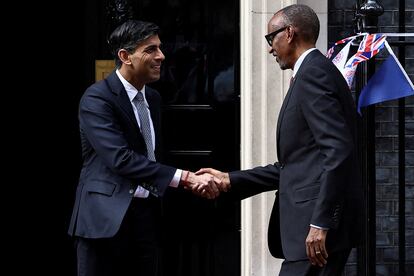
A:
x,y
96,88
316,57
320,62
99,91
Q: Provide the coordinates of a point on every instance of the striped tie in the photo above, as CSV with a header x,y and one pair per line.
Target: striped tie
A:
x,y
145,124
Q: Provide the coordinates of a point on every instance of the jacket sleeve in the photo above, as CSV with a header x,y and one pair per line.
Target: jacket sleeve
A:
x,y
250,182
323,111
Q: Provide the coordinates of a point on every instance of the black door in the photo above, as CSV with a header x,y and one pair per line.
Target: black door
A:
x,y
200,90
200,129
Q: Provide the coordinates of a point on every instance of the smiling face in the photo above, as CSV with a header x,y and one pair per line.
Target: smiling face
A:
x,y
147,58
143,65
281,47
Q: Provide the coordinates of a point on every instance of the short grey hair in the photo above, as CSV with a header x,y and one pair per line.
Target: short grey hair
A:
x,y
304,19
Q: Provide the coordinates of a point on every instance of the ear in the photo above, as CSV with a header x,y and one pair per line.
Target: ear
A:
x,y
124,56
290,33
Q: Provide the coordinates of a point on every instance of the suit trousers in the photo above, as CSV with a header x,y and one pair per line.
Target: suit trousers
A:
x,y
132,251
334,267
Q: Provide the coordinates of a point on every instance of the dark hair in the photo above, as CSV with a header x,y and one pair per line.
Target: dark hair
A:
x,y
128,35
304,19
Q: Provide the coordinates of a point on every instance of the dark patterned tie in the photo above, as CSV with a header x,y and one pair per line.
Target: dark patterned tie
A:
x,y
145,124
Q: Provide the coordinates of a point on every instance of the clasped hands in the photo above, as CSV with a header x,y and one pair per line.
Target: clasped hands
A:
x,y
206,182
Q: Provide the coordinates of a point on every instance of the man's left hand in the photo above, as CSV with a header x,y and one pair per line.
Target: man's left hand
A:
x,y
315,246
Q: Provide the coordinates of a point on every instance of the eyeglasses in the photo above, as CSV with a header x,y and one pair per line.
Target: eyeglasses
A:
x,y
271,36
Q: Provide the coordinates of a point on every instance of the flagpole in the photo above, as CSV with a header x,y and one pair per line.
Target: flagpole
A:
x,y
367,22
401,153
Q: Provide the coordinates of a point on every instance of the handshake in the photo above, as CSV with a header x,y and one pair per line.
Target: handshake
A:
x,y
206,182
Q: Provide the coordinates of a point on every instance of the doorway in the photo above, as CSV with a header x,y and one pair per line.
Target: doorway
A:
x,y
200,90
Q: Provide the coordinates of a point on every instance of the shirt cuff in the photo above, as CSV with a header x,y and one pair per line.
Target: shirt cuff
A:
x,y
141,192
176,179
319,227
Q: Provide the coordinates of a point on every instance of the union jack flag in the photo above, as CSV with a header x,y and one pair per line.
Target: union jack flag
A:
x,y
339,42
369,47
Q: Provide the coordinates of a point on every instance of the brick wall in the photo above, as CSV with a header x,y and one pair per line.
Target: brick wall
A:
x,y
340,25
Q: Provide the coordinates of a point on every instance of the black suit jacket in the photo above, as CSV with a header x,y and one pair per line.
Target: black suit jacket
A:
x,y
317,174
114,159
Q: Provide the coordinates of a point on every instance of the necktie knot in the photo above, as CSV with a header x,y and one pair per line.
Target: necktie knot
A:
x,y
139,97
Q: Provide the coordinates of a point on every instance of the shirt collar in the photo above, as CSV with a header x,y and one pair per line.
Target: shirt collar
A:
x,y
300,60
130,89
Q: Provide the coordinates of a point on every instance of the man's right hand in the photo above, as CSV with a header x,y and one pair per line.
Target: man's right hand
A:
x,y
203,185
223,178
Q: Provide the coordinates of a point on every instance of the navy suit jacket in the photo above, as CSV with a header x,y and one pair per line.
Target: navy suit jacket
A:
x,y
114,159
317,175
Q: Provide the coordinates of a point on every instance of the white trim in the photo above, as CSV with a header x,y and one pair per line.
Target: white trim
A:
x,y
246,128
398,63
398,34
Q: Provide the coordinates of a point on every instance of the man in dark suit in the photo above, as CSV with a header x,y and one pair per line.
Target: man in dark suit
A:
x,y
315,217
114,219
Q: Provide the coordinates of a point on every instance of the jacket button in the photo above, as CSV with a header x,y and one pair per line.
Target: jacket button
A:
x,y
282,166
131,191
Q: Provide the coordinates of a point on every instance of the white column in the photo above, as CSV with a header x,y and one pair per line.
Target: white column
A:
x,y
321,9
263,87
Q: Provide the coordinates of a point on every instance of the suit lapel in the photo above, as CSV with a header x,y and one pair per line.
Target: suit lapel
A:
x,y
281,114
122,98
308,58
124,103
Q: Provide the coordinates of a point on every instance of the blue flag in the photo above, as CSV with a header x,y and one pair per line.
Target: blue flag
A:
x,y
390,82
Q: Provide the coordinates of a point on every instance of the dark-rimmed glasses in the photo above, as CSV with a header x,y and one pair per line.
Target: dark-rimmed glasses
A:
x,y
269,37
